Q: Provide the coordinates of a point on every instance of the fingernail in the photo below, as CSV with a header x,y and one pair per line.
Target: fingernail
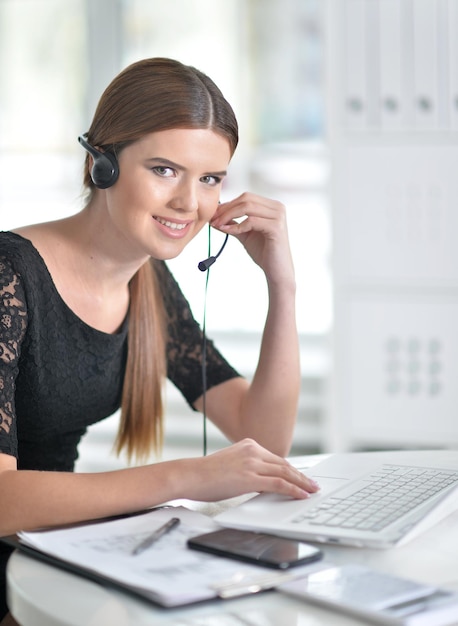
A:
x,y
314,483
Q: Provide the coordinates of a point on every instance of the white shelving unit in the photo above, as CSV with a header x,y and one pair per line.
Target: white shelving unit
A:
x,y
392,73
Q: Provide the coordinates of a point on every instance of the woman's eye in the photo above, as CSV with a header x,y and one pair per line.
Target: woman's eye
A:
x,y
211,180
163,171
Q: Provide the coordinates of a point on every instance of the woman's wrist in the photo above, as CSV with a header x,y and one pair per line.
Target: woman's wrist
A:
x,y
282,292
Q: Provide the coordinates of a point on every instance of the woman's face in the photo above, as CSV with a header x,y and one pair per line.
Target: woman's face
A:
x,y
168,188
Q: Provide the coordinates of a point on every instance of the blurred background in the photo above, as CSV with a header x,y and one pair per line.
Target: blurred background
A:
x,y
348,113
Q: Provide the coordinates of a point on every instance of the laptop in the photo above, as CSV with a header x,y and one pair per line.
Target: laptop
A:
x,y
367,499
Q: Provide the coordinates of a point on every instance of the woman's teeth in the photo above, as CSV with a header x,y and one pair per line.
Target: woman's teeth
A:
x,y
172,225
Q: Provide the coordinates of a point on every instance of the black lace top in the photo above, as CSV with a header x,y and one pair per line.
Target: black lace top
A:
x,y
58,375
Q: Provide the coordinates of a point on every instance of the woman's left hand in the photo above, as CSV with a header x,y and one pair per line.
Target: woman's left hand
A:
x,y
263,232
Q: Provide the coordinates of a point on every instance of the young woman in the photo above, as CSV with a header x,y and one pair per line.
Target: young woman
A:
x,y
91,318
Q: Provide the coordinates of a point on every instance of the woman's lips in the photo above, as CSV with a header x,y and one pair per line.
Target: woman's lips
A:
x,y
172,229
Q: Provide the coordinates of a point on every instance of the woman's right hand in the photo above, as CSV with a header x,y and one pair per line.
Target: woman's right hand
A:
x,y
243,467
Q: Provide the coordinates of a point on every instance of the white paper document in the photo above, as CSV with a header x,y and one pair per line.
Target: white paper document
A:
x,y
167,572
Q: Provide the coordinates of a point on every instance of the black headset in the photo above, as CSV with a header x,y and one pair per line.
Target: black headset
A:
x,y
105,169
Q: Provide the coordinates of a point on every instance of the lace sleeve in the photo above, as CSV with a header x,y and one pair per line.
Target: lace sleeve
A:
x,y
13,321
184,349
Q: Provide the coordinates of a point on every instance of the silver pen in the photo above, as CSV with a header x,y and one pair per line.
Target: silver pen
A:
x,y
157,534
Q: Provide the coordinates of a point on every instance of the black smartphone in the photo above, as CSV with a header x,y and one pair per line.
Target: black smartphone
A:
x,y
258,548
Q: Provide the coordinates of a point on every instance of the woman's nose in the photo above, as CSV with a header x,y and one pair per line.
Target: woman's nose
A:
x,y
186,198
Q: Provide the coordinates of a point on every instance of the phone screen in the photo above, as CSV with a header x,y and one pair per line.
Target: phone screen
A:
x,y
259,548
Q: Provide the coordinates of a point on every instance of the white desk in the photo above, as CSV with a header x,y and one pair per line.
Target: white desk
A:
x,y
41,595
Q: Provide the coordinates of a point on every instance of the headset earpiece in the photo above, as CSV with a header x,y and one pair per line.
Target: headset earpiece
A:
x,y
105,169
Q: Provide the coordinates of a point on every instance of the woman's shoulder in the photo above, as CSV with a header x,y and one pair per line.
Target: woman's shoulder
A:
x,y
14,246
19,256
14,241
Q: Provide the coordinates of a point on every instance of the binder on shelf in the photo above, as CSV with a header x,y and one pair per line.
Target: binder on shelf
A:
x,y
355,64
453,65
425,63
391,96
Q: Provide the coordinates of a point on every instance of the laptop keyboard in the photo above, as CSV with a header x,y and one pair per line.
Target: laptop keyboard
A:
x,y
379,499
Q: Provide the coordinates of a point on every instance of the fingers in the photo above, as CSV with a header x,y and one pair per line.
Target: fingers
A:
x,y
273,473
287,480
249,206
260,225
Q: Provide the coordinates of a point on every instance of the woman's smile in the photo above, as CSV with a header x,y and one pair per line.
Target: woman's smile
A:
x,y
171,228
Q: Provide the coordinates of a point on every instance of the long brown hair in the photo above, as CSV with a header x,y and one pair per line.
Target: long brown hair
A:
x,y
149,96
